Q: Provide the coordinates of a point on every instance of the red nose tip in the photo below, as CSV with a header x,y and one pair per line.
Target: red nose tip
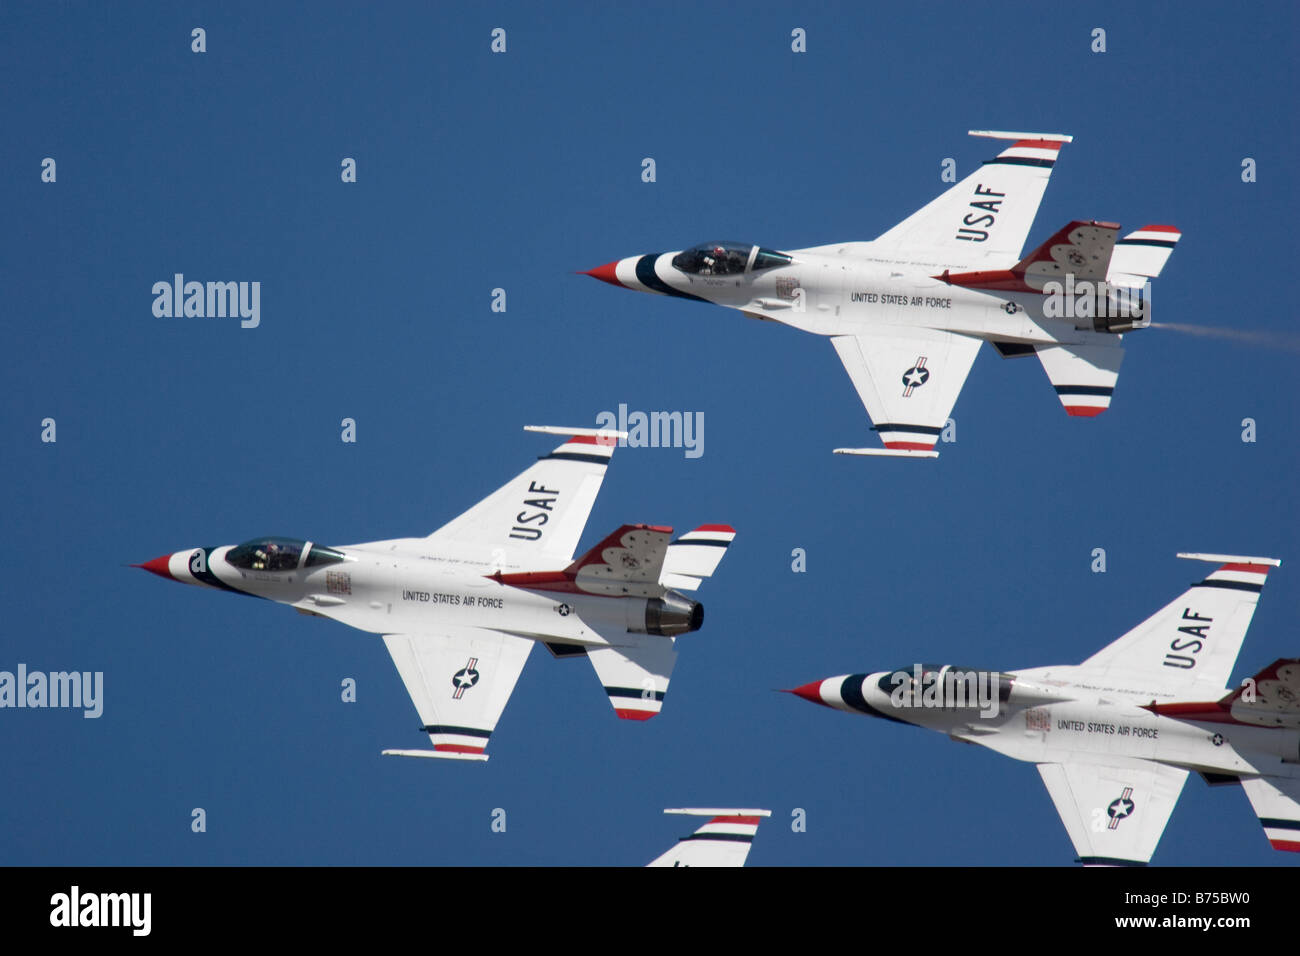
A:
x,y
810,692
605,273
158,566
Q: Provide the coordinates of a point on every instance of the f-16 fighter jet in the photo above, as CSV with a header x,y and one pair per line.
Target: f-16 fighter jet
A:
x,y
907,312
724,840
1115,737
461,609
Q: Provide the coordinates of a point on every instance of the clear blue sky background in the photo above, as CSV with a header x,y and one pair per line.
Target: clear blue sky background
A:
x,y
479,171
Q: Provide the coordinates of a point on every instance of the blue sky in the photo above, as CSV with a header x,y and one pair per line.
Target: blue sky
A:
x,y
479,171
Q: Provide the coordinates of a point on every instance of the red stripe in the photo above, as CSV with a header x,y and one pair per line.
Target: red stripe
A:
x,y
1172,229
724,528
1037,144
458,748
752,821
605,440
1003,279
910,445
634,714
1246,568
1292,846
1085,411
538,581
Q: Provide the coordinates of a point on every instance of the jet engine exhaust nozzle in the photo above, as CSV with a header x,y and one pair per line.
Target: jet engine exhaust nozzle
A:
x,y
673,614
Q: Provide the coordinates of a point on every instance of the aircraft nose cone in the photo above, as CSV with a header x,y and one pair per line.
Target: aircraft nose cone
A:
x,y
810,692
605,273
158,566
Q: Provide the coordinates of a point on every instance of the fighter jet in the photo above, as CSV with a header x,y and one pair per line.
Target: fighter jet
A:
x,y
1115,737
461,609
907,312
724,840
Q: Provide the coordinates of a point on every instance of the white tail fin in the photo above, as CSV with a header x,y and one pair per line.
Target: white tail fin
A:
x,y
1190,645
723,841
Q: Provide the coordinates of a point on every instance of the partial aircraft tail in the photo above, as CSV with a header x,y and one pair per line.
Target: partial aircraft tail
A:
x,y
1276,801
723,841
637,561
1141,255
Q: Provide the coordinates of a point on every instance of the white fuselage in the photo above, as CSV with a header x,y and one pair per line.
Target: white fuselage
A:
x,y
389,587
1058,719
827,293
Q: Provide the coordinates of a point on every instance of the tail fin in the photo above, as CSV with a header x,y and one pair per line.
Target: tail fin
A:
x,y
1141,255
1276,801
723,841
1269,699
1190,645
1079,249
626,563
695,556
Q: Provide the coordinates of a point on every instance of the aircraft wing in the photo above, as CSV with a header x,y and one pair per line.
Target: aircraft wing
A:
x,y
1116,813
537,517
985,218
1188,647
722,841
908,379
459,679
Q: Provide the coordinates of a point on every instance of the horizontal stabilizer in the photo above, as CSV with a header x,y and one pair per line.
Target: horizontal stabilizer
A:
x,y
1276,801
635,674
695,556
1084,376
1141,255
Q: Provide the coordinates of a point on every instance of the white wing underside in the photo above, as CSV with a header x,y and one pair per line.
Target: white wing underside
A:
x,y
534,521
1114,813
460,679
983,220
908,379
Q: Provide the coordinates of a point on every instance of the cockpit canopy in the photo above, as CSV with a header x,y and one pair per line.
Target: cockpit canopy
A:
x,y
727,259
280,554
